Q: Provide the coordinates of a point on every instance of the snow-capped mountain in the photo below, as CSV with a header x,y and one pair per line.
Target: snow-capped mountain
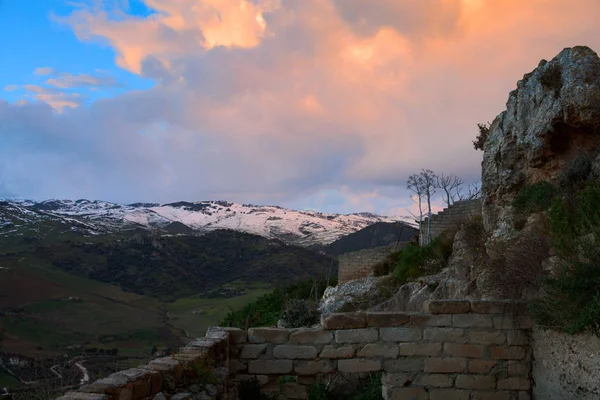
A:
x,y
96,217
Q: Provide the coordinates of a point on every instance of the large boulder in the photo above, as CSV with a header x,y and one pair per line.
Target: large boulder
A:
x,y
552,117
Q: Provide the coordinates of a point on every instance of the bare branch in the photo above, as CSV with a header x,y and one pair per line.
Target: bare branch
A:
x,y
448,184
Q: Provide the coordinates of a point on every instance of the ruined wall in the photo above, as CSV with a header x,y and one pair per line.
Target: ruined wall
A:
x,y
459,350
449,217
566,367
359,264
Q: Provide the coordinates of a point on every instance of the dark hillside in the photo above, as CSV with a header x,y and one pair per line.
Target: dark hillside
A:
x,y
378,234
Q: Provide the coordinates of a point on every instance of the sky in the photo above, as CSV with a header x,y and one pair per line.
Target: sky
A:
x,y
311,104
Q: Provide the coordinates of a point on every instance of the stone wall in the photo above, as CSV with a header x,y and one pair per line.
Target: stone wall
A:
x,y
359,264
566,367
450,217
470,350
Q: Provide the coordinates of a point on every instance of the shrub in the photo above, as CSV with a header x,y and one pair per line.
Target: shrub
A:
x,y
575,173
386,266
534,198
250,390
300,312
481,139
415,261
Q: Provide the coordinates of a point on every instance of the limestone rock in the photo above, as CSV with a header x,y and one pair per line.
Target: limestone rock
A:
x,y
339,297
552,117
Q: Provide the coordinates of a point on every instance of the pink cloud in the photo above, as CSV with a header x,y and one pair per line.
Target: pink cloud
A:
x,y
283,100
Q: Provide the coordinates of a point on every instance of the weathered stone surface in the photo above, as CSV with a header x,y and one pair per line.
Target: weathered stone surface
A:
x,y
344,321
508,322
236,366
268,335
262,379
356,365
397,379
438,334
387,319
514,383
310,336
475,382
434,380
449,307
337,352
472,320
294,352
83,396
448,394
182,396
313,367
400,334
295,391
412,393
431,320
236,335
546,123
498,307
420,349
269,367
356,335
404,364
385,350
464,350
508,352
486,337
489,395
445,365
481,366
253,350
517,338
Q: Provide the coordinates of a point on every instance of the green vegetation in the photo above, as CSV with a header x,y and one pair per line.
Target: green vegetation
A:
x,y
534,198
300,312
414,261
571,300
267,309
7,380
368,388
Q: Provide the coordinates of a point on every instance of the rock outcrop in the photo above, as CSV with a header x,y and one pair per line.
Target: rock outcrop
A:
x,y
551,118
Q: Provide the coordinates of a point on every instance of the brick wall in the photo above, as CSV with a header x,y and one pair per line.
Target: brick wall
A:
x,y
470,350
359,264
450,217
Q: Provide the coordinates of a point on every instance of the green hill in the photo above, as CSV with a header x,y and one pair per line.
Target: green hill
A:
x,y
378,234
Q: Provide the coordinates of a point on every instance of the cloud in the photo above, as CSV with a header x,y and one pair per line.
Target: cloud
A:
x,y
44,71
57,99
69,81
323,103
11,88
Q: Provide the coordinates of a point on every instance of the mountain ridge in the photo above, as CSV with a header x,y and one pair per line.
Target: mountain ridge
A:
x,y
300,227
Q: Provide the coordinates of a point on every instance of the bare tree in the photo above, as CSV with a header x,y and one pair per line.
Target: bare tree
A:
x,y
429,178
449,184
416,185
473,192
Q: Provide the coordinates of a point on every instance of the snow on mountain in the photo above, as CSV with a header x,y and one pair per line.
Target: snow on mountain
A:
x,y
293,226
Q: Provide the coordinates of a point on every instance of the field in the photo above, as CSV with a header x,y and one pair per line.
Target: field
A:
x,y
195,314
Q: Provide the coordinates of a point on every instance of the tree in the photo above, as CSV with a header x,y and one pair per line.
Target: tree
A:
x,y
429,179
473,192
450,185
416,185
484,133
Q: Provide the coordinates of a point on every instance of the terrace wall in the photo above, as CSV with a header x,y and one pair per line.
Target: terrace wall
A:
x,y
359,264
470,350
450,217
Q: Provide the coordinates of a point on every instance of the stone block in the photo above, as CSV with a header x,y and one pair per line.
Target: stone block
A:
x,y
313,367
434,380
364,335
337,352
498,307
464,350
485,337
344,321
407,393
400,334
236,366
431,320
405,364
487,395
517,338
385,350
253,350
448,394
475,382
481,366
262,379
397,379
358,365
449,307
472,321
509,322
83,396
268,335
295,352
518,368
508,352
236,335
514,383
436,334
387,319
312,336
445,365
420,349
294,391
270,367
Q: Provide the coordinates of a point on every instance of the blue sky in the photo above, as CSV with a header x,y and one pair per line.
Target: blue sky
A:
x,y
33,36
320,104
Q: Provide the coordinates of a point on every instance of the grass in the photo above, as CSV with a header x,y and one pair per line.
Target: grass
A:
x,y
7,380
